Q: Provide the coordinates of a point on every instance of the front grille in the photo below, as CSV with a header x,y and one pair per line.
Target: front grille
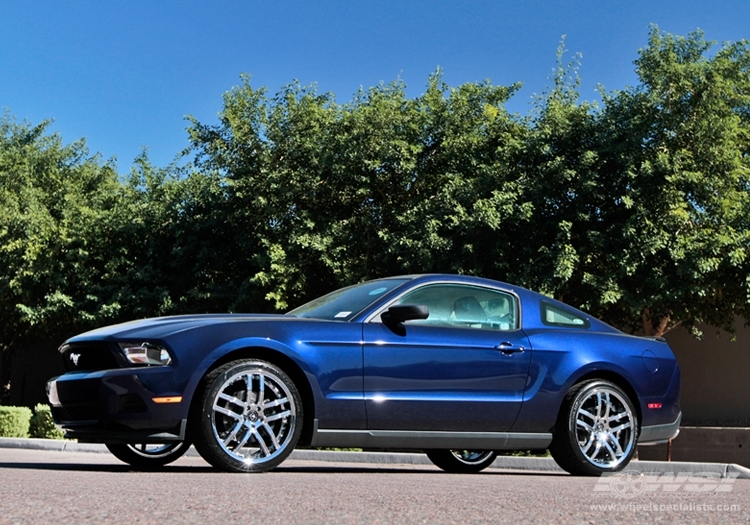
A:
x,y
90,357
75,412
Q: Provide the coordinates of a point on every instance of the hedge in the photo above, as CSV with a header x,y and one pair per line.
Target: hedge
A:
x,y
14,421
42,424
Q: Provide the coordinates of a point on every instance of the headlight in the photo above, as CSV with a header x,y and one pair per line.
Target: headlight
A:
x,y
148,354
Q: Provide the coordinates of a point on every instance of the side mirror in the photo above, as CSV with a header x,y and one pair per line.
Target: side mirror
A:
x,y
399,313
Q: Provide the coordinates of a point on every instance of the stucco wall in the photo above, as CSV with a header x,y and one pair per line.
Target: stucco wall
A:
x,y
715,376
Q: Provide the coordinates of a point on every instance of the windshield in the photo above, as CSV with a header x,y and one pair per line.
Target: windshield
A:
x,y
345,303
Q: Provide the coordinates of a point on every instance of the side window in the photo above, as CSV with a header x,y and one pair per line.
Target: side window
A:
x,y
464,306
556,316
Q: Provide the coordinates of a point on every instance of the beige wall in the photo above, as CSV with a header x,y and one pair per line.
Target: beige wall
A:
x,y
715,376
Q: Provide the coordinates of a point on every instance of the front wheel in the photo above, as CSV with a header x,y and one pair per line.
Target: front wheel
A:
x,y
249,418
462,461
147,455
596,431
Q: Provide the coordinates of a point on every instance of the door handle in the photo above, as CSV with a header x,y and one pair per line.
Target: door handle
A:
x,y
508,348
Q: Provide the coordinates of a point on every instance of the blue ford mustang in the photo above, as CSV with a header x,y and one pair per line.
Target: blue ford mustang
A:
x,y
459,367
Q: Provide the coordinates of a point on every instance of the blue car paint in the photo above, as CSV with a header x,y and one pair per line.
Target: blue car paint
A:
x,y
353,389
455,379
563,357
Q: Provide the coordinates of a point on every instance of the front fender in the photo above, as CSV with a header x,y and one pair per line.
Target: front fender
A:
x,y
219,354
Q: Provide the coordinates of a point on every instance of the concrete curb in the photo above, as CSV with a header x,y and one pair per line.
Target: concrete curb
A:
x,y
516,463
521,463
58,445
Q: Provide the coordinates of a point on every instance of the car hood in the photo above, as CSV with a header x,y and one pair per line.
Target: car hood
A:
x,y
161,327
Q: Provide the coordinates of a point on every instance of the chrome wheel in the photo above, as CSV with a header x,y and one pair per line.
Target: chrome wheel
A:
x,y
596,431
149,450
472,457
604,427
253,416
250,418
147,455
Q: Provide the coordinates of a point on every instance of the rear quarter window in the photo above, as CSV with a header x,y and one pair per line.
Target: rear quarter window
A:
x,y
553,315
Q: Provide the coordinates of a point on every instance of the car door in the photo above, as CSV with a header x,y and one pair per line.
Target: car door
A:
x,y
464,368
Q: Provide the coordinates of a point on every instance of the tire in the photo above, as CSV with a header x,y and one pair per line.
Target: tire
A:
x,y
462,461
249,418
596,431
143,455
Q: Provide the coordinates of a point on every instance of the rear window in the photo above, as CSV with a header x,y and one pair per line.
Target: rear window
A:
x,y
554,315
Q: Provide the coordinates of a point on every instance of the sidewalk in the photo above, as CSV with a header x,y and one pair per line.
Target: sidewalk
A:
x,y
512,463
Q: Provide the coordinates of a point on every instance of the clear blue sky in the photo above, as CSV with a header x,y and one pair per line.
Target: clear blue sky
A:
x,y
124,74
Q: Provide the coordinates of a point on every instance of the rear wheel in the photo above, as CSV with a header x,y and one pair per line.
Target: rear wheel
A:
x,y
596,431
462,461
149,455
249,419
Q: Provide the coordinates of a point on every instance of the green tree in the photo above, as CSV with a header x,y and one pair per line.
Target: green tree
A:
x,y
559,244
327,194
49,193
638,210
678,177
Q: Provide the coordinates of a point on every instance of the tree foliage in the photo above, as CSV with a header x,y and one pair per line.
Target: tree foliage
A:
x,y
636,209
50,194
677,153
81,246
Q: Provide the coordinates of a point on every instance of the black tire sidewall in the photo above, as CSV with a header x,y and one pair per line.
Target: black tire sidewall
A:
x,y
125,454
445,460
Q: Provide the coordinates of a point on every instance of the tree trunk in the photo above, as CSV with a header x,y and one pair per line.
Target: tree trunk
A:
x,y
661,327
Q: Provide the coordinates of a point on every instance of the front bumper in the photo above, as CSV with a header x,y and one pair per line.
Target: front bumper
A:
x,y
117,406
115,434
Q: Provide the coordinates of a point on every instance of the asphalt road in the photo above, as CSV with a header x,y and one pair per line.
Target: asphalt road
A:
x,y
67,487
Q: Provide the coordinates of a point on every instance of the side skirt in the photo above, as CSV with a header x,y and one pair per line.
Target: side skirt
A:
x,y
417,439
